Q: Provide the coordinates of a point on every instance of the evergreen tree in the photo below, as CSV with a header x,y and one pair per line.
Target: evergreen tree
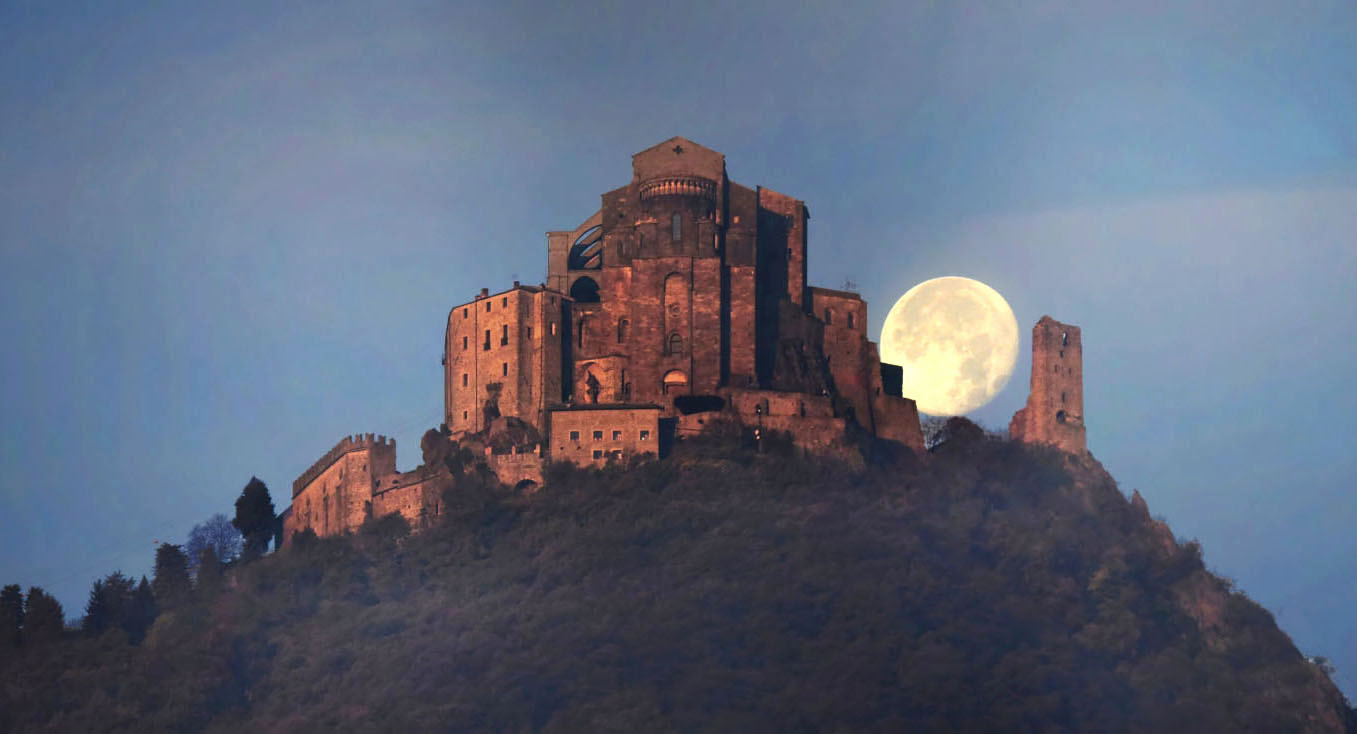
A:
x,y
142,611
209,574
44,619
109,601
11,615
255,518
172,584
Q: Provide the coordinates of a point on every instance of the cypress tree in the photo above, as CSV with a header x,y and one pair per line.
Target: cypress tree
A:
x,y
255,518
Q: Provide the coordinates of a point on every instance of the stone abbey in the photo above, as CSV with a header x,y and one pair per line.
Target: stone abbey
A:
x,y
682,303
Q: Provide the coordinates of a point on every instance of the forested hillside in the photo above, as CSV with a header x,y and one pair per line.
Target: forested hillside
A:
x,y
993,587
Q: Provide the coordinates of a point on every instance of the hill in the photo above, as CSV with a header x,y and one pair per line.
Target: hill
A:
x,y
995,587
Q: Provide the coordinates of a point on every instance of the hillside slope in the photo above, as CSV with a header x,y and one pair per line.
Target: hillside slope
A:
x,y
996,587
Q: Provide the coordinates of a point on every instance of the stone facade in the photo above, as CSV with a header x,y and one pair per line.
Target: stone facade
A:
x,y
504,355
597,434
682,303
683,287
1054,413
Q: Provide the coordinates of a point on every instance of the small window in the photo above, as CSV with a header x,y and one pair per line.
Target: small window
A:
x,y
850,320
1062,398
504,302
465,341
504,335
675,345
598,435
464,415
486,345
553,328
574,435
487,306
504,369
1064,338
645,435
622,325
617,435
598,453
829,317
466,312
676,224
463,379
530,332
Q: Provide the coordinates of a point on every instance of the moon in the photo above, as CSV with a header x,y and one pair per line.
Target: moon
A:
x,y
957,341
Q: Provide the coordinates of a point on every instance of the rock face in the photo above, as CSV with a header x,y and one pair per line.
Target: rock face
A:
x,y
1054,413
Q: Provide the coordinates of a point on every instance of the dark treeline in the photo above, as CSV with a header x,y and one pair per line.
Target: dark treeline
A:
x,y
994,587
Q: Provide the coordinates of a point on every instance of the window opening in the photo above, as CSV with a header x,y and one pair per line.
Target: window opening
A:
x,y
676,224
675,345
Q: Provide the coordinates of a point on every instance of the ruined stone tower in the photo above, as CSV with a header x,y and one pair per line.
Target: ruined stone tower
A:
x,y
1054,413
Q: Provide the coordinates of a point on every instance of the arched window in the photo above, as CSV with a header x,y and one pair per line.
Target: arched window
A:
x,y
584,290
622,325
676,225
674,345
675,381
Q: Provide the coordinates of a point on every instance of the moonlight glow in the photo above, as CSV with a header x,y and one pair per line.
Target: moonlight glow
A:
x,y
957,341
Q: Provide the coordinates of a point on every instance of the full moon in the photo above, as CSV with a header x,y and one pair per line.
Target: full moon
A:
x,y
957,341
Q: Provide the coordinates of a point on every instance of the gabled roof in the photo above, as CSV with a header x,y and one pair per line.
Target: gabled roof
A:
x,y
682,142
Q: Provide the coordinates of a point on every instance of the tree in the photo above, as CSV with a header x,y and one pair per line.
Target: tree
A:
x,y
44,619
209,573
254,518
109,601
217,533
142,611
11,615
172,585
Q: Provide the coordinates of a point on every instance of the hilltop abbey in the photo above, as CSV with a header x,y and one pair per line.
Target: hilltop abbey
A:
x,y
682,303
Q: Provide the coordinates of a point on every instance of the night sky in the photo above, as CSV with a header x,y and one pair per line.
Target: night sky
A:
x,y
229,237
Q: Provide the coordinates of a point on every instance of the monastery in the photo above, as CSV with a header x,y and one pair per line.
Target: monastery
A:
x,y
681,303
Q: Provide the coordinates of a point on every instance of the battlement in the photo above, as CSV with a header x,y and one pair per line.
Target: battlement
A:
x,y
358,442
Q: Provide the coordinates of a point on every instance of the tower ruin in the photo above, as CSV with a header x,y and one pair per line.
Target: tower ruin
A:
x,y
1054,413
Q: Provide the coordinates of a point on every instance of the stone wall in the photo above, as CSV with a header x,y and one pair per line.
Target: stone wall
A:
x,y
594,434
1054,413
416,495
331,496
504,356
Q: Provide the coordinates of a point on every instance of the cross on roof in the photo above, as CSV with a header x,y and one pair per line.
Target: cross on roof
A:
x,y
678,150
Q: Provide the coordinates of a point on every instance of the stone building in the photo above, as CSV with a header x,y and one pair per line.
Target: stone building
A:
x,y
1054,413
681,303
681,289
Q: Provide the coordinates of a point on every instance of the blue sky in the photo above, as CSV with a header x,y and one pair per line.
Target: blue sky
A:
x,y
229,236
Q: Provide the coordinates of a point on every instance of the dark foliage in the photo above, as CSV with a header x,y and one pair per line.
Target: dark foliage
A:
x,y
219,534
255,518
996,587
209,574
172,584
142,611
11,615
44,619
